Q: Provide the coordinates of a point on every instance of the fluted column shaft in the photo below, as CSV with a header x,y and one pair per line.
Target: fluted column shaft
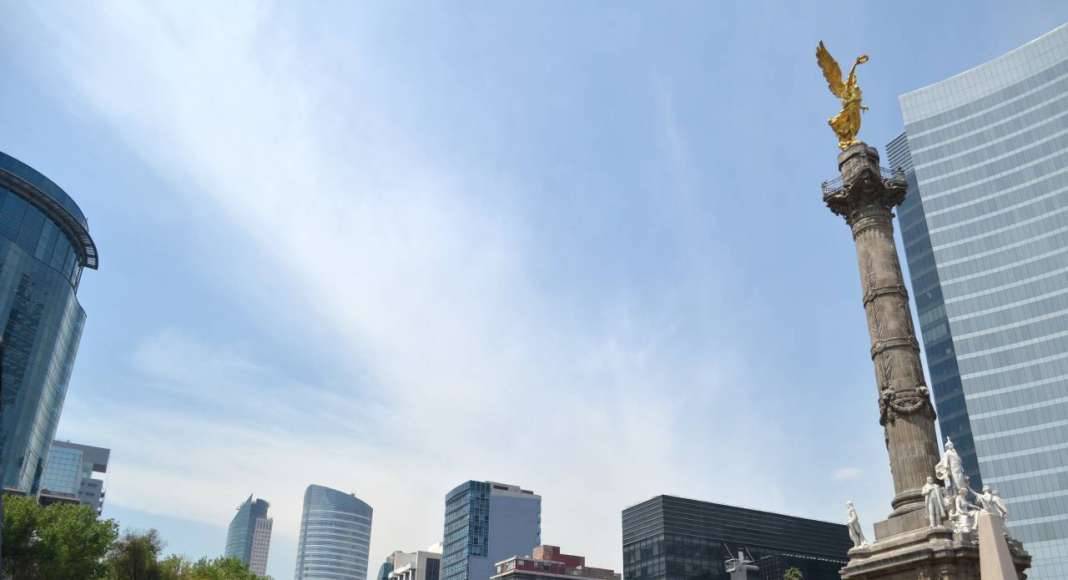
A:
x,y
866,200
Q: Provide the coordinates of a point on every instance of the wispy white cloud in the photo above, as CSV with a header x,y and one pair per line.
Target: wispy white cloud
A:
x,y
847,473
462,367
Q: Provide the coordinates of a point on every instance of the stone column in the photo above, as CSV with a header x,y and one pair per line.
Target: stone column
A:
x,y
866,200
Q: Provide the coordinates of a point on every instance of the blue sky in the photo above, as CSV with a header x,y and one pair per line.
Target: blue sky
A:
x,y
391,247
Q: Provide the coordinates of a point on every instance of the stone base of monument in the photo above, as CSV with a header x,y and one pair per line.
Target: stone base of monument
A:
x,y
906,548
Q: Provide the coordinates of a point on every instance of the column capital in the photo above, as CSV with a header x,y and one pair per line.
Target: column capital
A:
x,y
861,186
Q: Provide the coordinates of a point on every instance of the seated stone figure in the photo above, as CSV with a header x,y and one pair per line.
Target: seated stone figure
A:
x,y
963,512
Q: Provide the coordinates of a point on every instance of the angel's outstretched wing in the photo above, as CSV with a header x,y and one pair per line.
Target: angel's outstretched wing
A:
x,y
831,71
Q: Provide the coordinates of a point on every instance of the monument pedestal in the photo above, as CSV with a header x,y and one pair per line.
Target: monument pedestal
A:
x,y
928,553
899,523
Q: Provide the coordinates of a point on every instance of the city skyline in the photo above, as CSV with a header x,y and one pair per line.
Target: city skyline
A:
x,y
449,216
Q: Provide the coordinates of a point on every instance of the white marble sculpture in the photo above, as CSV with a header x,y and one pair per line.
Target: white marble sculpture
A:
x,y
853,522
963,512
932,496
986,500
950,469
999,504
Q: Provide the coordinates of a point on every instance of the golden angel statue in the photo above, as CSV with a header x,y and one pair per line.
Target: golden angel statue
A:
x,y
845,124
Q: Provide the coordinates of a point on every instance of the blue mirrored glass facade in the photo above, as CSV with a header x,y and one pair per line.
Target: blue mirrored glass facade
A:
x,y
63,471
985,228
68,474
466,528
335,536
485,523
44,246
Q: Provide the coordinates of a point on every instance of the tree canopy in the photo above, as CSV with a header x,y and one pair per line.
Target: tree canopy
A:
x,y
179,568
58,541
70,541
136,556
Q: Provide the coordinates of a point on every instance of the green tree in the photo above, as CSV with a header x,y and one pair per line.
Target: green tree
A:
x,y
20,530
135,557
792,574
57,541
175,567
179,568
64,541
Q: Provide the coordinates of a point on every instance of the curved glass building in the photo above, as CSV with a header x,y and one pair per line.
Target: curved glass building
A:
x,y
985,228
335,536
44,246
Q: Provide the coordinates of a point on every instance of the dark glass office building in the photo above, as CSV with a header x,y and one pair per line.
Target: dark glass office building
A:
x,y
486,522
44,246
672,538
985,229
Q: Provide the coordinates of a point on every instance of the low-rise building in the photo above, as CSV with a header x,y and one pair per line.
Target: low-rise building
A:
x,y
419,565
387,567
547,562
672,537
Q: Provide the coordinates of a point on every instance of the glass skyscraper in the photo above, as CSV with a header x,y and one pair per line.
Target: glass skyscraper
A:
x,y
249,537
673,538
335,536
486,522
68,474
985,227
44,245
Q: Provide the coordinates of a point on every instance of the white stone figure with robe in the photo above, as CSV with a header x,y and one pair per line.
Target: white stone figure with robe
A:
x,y
995,553
963,512
986,501
950,469
932,497
999,504
853,523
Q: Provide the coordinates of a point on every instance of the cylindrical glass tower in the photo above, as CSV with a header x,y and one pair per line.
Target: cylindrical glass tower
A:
x,y
335,536
44,245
